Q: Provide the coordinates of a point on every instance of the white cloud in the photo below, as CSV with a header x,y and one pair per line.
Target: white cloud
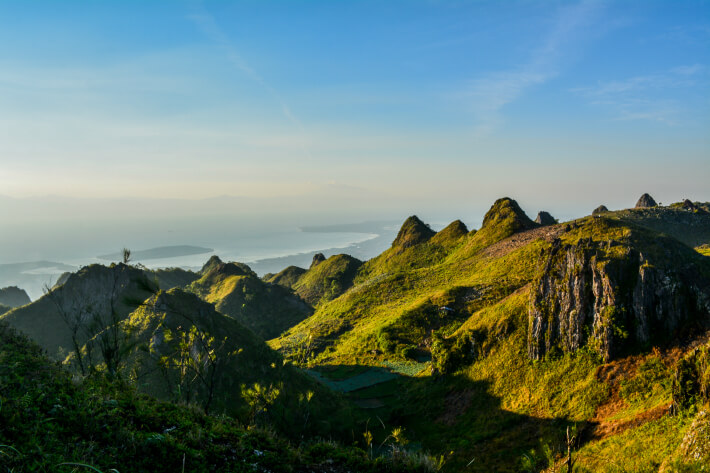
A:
x,y
645,97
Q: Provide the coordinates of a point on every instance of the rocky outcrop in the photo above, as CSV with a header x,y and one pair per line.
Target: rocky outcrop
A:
x,y
318,258
645,201
413,231
610,296
688,205
211,263
544,218
600,209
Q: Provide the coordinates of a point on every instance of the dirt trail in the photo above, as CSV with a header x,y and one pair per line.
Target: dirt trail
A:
x,y
518,240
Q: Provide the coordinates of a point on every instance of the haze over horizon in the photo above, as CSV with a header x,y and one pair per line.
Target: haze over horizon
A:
x,y
357,108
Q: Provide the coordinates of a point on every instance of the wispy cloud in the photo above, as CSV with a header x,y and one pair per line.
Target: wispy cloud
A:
x,y
491,93
645,97
211,29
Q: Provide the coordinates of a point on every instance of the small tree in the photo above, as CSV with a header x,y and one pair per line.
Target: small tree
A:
x,y
126,255
259,398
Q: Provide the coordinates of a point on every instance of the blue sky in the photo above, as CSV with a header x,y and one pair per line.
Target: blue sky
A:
x,y
412,104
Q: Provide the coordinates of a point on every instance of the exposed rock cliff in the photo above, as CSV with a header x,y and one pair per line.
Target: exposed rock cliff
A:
x,y
613,296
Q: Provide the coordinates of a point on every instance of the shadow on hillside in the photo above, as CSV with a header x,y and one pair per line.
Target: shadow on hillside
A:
x,y
449,415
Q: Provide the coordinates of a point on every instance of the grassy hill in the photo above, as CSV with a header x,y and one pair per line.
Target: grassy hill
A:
x,y
286,277
236,291
168,278
13,296
327,280
89,301
184,350
51,422
457,326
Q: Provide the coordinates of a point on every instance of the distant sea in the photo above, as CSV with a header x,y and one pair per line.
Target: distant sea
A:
x,y
265,250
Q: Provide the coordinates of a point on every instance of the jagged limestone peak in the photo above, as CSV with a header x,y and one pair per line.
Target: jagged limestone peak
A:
x,y
413,231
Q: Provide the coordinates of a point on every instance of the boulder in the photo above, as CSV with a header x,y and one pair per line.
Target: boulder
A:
x,y
600,209
544,218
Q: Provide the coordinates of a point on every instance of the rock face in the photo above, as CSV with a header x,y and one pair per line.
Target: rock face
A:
x,y
544,218
608,295
600,209
317,259
13,296
413,231
645,201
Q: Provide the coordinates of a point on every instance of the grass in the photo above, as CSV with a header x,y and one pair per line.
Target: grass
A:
x,y
49,422
641,449
266,309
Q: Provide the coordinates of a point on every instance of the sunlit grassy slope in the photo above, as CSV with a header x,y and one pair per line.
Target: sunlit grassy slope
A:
x,y
461,300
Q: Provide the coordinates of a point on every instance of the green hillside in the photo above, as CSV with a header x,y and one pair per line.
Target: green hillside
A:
x,y
236,291
90,300
51,422
554,308
327,279
183,350
168,278
286,277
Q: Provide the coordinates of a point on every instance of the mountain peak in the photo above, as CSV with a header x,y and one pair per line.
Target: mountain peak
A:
x,y
211,263
645,201
451,232
317,259
600,209
506,212
413,231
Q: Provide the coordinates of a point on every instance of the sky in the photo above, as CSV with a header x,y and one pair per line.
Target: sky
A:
x,y
357,106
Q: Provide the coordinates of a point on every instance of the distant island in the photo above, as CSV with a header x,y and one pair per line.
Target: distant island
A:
x,y
159,253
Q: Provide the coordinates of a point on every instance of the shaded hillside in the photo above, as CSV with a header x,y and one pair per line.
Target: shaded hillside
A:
x,y
168,278
48,419
327,279
236,291
184,350
13,296
90,300
689,224
287,277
